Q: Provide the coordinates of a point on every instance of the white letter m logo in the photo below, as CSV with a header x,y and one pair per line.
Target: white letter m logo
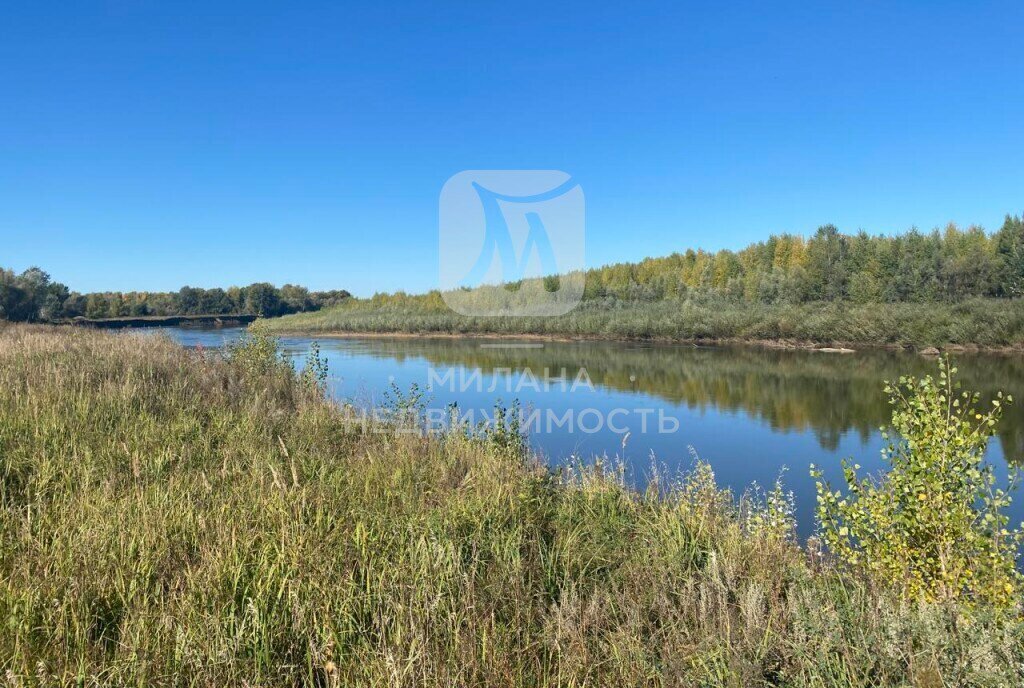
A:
x,y
511,243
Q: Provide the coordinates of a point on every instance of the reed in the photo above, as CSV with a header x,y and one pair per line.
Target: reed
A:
x,y
986,323
169,517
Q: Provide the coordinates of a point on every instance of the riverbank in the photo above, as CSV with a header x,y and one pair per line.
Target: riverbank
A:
x,y
501,337
219,320
172,517
979,324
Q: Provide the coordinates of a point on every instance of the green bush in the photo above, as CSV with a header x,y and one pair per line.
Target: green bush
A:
x,y
257,352
933,526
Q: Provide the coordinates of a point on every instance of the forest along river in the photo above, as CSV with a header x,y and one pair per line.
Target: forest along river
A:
x,y
751,413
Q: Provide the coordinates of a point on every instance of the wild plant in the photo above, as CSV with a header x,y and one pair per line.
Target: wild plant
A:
x,y
258,352
315,373
933,527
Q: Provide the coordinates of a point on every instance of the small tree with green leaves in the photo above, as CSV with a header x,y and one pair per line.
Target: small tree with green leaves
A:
x,y
314,374
257,352
933,527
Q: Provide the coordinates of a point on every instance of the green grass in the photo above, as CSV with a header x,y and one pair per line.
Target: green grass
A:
x,y
993,323
169,518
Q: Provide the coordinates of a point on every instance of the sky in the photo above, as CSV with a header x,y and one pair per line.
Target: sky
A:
x,y
147,145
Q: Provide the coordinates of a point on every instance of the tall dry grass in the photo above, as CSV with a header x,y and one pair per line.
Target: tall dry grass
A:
x,y
172,518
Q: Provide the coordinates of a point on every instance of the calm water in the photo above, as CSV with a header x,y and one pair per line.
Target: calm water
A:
x,y
751,413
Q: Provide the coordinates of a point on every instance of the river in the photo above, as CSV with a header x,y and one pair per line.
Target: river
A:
x,y
752,413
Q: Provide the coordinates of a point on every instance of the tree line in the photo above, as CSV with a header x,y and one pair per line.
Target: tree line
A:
x,y
946,265
941,265
33,296
915,267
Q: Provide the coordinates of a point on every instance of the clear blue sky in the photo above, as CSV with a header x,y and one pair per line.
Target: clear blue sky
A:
x,y
147,145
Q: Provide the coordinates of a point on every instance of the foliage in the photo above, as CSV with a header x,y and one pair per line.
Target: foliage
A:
x,y
773,512
314,373
945,266
169,519
257,353
933,526
405,410
502,433
830,266
982,322
33,297
950,287
766,290
260,298
939,266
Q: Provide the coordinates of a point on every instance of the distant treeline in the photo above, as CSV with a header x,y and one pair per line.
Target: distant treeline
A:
x,y
33,296
944,265
917,267
939,266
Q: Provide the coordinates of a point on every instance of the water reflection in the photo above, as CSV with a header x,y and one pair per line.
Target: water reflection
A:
x,y
750,412
826,394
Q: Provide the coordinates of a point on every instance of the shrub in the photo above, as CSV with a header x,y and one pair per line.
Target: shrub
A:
x,y
257,352
932,527
314,375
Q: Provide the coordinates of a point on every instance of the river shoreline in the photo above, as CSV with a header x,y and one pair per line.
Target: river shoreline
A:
x,y
843,347
990,325
199,321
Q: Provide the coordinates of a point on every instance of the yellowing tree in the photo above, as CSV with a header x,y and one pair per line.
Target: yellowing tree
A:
x,y
933,527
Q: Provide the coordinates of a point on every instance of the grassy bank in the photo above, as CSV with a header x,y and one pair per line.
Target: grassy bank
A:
x,y
170,518
165,321
985,323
